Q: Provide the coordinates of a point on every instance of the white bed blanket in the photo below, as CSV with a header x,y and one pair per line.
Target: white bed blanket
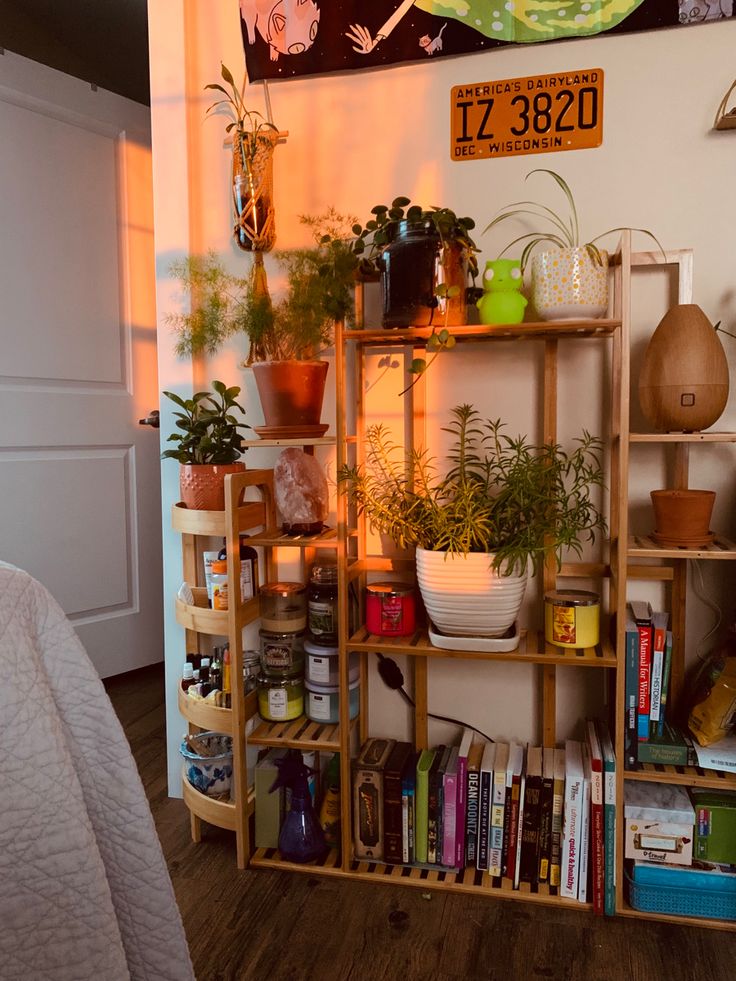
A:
x,y
84,890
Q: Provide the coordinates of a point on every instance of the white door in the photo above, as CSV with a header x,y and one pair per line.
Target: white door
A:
x,y
79,478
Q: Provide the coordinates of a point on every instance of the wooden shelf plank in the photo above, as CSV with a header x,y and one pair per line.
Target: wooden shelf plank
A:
x,y
220,813
532,649
697,921
251,514
688,776
710,437
275,537
204,714
469,881
299,733
203,620
644,547
314,441
481,332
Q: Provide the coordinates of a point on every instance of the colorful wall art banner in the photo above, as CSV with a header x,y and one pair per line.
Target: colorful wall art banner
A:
x,y
283,38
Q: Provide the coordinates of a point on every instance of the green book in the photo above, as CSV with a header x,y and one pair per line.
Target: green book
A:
x,y
671,747
715,825
421,804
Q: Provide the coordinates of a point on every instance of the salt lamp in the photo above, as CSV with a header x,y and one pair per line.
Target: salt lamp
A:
x,y
683,385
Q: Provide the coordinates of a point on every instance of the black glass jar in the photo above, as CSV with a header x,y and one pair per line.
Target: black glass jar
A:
x,y
322,605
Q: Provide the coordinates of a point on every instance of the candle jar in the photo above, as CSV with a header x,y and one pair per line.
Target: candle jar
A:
x,y
280,699
389,609
571,618
322,605
282,654
283,606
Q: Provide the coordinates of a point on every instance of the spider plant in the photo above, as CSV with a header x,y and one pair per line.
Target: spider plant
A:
x,y
563,227
252,130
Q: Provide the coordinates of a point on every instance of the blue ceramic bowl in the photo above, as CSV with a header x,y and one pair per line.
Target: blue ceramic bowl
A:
x,y
209,775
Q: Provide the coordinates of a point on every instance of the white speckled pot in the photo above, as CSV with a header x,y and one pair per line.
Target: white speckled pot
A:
x,y
567,284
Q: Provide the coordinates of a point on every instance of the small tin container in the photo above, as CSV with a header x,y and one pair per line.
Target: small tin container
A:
x,y
572,618
251,669
389,609
282,654
280,699
283,606
323,701
322,664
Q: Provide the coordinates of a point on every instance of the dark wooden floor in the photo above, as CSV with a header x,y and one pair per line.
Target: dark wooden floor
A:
x,y
286,927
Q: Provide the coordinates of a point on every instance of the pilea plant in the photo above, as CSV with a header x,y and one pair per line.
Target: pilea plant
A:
x,y
500,494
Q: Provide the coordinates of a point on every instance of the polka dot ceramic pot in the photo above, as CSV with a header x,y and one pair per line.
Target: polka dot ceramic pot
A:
x,y
568,284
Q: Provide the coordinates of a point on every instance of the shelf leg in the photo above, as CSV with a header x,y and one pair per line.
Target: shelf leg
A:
x,y
196,825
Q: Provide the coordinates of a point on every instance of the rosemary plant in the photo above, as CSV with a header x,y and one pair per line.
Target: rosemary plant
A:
x,y
500,494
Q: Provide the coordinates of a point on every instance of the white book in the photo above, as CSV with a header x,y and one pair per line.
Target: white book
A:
x,y
572,819
498,804
585,828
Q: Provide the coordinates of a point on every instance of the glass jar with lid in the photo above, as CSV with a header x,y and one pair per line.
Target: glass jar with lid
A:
x,y
322,604
283,606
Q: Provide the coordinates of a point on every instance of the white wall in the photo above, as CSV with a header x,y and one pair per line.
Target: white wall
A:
x,y
361,139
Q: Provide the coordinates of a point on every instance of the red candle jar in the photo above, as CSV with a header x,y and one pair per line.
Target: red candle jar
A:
x,y
389,609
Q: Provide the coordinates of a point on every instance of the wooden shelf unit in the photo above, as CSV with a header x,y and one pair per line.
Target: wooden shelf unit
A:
x,y
648,561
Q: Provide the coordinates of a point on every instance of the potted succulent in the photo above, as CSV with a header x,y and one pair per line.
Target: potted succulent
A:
x,y
208,444
405,244
570,276
254,140
286,335
501,507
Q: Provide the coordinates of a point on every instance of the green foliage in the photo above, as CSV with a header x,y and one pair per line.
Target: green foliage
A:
x,y
499,494
563,228
319,291
437,341
371,240
252,131
206,429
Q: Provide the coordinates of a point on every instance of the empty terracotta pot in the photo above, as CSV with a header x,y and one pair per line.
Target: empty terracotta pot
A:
x,y
682,517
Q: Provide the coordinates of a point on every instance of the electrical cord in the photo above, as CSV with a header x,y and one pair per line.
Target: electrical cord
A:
x,y
698,585
392,677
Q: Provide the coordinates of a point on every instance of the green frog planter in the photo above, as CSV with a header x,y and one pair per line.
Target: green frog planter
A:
x,y
502,302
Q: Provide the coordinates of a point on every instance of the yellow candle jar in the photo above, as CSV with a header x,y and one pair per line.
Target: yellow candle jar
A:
x,y
280,699
572,618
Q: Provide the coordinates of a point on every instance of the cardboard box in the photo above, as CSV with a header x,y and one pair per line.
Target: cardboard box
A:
x,y
660,823
715,825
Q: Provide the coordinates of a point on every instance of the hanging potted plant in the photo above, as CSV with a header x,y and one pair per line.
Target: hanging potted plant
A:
x,y
254,140
414,250
500,508
286,335
208,445
570,275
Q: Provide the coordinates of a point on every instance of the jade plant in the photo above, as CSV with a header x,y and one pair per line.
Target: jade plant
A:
x,y
207,431
500,494
560,229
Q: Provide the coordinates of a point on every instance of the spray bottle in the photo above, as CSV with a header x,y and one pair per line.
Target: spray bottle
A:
x,y
301,838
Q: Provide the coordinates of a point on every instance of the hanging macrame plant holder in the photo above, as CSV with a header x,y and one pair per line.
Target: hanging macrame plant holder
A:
x,y
255,217
726,119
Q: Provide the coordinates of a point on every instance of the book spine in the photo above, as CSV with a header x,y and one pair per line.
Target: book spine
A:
x,y
632,695
585,844
433,803
506,831
461,811
597,844
513,827
471,817
449,822
392,817
545,829
484,816
656,691
530,830
571,838
666,671
519,830
558,796
420,815
609,814
645,659
495,846
408,799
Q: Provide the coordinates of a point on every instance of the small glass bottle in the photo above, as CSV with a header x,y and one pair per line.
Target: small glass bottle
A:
x,y
187,678
216,670
322,604
204,669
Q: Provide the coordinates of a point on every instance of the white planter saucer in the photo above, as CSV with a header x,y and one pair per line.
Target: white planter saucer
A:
x,y
509,641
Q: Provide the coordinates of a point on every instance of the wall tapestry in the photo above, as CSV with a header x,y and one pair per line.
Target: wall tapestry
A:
x,y
311,37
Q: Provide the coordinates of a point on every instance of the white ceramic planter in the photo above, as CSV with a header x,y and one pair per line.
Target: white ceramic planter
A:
x,y
567,284
465,596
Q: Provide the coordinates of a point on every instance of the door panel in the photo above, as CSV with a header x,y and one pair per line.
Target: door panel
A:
x,y
79,478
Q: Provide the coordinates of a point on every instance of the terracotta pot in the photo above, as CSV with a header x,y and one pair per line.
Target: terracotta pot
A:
x,y
202,485
682,517
291,394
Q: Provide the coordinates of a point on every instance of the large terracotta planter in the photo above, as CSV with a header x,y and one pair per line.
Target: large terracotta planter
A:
x,y
465,596
568,284
291,394
202,485
682,517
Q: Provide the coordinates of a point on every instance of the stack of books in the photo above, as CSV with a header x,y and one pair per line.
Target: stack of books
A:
x,y
648,669
533,817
